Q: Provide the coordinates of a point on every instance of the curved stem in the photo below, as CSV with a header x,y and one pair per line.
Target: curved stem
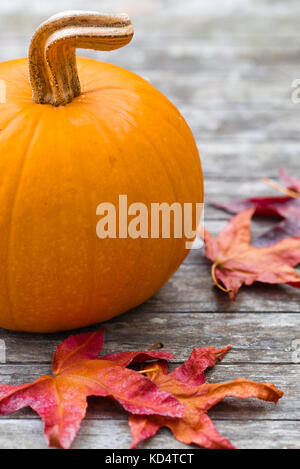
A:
x,y
52,60
280,188
156,345
213,274
150,370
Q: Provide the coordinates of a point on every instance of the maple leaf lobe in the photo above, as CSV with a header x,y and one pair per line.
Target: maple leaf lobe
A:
x,y
61,400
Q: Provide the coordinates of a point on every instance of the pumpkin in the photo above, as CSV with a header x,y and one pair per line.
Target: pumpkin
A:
x,y
76,132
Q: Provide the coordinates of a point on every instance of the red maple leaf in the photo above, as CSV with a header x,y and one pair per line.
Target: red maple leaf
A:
x,y
61,399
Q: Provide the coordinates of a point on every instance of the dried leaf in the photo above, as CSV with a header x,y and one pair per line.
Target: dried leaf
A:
x,y
287,206
236,262
284,229
61,399
197,397
290,210
271,207
289,181
264,206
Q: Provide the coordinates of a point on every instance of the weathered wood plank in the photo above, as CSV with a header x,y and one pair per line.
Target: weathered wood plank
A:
x,y
256,338
229,67
217,189
260,18
190,289
216,218
243,123
208,87
27,434
248,160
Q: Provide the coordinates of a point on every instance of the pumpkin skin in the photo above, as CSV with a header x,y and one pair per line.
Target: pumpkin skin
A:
x,y
57,164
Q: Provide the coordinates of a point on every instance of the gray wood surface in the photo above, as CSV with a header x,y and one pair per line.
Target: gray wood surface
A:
x,y
228,66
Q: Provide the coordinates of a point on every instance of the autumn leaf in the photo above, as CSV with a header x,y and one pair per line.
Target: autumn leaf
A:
x,y
237,263
78,372
268,206
197,397
289,181
282,230
286,206
289,209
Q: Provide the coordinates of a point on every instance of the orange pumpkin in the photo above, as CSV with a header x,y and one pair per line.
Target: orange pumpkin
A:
x,y
63,151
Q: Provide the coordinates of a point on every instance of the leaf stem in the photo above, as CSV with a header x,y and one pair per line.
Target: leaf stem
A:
x,y
213,275
282,189
147,371
156,345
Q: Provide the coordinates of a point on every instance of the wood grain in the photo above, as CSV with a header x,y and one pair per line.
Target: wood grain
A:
x,y
256,337
229,67
28,434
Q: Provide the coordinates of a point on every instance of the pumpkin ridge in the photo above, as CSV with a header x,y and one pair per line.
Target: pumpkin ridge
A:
x,y
104,125
145,137
9,123
35,126
91,257
168,173
152,94
148,139
169,123
195,156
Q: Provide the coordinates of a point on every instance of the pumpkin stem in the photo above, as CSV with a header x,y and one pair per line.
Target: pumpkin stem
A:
x,y
52,59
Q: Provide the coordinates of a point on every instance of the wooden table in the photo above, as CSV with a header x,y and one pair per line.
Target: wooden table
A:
x,y
228,66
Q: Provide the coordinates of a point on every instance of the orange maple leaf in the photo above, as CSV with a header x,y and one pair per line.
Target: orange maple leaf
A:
x,y
187,383
237,263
